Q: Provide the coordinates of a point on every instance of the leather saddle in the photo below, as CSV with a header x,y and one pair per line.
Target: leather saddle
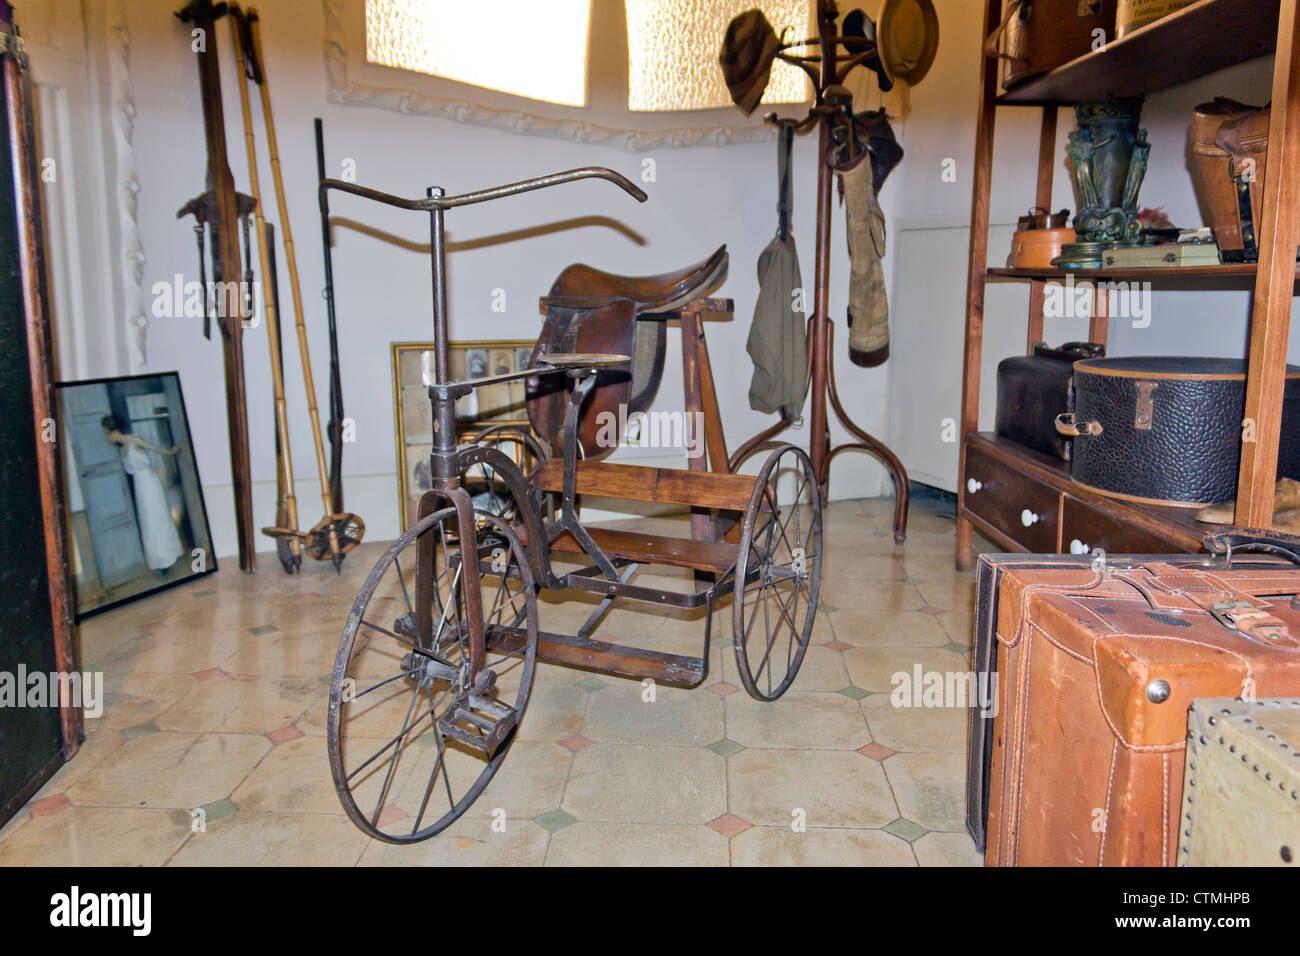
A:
x,y
588,310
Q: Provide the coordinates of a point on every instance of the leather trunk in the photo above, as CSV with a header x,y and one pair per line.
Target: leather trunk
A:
x,y
1168,430
1040,35
1096,671
1034,389
1229,145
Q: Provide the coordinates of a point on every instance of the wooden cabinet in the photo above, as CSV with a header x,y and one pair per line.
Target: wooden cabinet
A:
x,y
1025,501
1206,36
1018,505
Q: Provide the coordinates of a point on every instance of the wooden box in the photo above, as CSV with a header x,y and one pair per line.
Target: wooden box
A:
x,y
1166,255
1241,793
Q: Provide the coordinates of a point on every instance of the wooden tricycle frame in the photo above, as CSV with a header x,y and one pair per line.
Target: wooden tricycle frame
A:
x,y
449,633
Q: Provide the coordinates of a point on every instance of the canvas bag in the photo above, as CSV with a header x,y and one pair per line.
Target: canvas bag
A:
x,y
778,336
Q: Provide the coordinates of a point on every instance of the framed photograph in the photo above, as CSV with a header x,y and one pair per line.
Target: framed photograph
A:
x,y
136,518
491,405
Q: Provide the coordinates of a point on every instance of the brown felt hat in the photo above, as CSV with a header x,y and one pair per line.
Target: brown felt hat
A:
x,y
907,35
748,50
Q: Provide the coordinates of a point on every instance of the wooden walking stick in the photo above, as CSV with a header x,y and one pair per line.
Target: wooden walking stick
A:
x,y
336,534
287,507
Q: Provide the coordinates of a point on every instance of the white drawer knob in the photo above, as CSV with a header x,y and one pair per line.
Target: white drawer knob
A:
x,y
1078,547
1028,518
973,486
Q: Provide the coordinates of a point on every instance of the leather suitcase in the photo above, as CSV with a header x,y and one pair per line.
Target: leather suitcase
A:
x,y
984,657
1167,430
1037,36
1097,665
1241,795
1034,389
1229,143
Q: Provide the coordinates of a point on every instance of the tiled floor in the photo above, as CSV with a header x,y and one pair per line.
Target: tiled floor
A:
x,y
215,700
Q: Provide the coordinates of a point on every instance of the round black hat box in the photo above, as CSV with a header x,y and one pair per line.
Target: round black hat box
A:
x,y
1171,428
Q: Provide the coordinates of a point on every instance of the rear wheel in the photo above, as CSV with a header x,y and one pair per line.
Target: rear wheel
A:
x,y
778,574
488,486
415,730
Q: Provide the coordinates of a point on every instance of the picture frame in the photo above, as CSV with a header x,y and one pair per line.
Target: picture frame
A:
x,y
137,521
501,404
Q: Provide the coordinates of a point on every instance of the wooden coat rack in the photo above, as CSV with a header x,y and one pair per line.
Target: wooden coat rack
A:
x,y
833,105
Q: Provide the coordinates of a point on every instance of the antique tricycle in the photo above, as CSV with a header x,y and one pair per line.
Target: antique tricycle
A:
x,y
437,658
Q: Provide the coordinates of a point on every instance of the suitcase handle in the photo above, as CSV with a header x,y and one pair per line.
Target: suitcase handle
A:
x,y
1253,539
1070,351
1067,426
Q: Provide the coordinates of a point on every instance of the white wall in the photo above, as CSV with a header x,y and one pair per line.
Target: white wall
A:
x,y
703,196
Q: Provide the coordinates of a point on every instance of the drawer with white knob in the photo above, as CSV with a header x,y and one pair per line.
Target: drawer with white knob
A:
x,y
1020,506
1085,529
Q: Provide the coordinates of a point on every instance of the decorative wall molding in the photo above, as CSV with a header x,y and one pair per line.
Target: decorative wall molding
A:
x,y
130,248
346,88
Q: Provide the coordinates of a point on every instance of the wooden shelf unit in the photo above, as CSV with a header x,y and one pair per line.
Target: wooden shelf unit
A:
x,y
1200,39
1193,42
1152,274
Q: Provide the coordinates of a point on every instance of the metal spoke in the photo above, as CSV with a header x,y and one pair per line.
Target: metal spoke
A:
x,y
402,580
405,642
392,761
771,639
373,757
438,763
386,680
789,617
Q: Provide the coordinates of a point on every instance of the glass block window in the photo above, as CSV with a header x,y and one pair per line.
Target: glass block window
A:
x,y
533,49
673,52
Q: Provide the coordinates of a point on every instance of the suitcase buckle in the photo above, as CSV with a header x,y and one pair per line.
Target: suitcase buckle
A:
x,y
1250,620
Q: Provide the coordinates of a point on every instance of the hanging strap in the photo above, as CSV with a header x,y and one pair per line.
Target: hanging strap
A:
x,y
785,195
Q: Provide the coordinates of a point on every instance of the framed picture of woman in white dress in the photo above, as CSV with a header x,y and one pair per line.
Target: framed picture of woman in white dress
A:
x,y
137,522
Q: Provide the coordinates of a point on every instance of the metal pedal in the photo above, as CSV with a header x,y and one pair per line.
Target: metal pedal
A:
x,y
480,722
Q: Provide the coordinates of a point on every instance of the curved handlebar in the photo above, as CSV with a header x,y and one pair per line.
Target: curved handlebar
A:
x,y
484,195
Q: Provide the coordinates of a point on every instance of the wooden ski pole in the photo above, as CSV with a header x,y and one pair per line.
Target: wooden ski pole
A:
x,y
284,461
331,521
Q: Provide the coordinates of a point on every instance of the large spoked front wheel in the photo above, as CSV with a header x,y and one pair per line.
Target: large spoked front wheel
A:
x,y
424,700
778,574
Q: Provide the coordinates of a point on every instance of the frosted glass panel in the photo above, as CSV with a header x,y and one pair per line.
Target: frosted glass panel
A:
x,y
673,52
532,49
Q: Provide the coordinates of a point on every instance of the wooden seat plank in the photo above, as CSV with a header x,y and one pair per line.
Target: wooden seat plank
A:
x,y
651,549
677,486
676,670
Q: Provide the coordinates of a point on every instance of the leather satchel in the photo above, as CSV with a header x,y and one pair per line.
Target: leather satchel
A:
x,y
1034,389
1096,672
1229,150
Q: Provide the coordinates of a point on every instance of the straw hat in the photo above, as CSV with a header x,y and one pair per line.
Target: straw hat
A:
x,y
907,33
